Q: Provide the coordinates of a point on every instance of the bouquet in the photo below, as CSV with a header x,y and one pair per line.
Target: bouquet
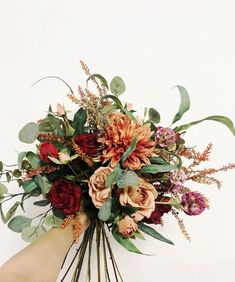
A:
x,y
122,171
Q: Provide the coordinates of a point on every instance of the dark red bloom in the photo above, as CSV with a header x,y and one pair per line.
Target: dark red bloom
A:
x,y
65,195
88,143
47,149
159,211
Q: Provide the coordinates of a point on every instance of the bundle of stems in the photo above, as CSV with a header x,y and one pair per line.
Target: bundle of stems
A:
x,y
96,231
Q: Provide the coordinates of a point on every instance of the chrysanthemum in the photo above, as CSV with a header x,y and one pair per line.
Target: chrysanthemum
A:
x,y
118,137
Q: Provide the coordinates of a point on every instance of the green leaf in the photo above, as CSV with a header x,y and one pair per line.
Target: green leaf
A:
x,y
12,211
3,189
2,214
29,185
105,210
158,160
222,119
125,242
31,233
100,77
128,178
184,103
50,124
113,176
154,116
34,159
158,168
20,159
117,86
19,222
115,99
109,109
42,203
29,133
1,166
43,183
152,232
129,114
79,120
53,221
130,149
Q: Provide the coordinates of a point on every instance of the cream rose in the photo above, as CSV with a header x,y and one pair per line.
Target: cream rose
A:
x,y
127,226
142,197
97,190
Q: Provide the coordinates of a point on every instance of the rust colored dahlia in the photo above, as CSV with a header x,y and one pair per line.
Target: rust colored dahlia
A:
x,y
118,137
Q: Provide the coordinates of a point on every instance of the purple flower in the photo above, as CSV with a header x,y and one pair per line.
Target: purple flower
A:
x,y
165,136
177,179
193,203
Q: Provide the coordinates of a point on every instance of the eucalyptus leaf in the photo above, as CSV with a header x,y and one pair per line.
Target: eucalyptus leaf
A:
x,y
152,232
29,133
154,116
117,86
2,214
11,211
158,160
115,99
3,189
50,124
32,233
105,210
184,103
1,166
130,149
42,203
222,119
125,242
34,159
29,185
113,176
154,168
53,221
128,178
19,222
55,161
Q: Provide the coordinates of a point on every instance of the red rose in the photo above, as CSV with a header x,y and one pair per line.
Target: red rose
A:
x,y
88,143
47,149
65,195
159,211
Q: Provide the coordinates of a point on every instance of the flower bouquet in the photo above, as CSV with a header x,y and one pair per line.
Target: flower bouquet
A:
x,y
121,171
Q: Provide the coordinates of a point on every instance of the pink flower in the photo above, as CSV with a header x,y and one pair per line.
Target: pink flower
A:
x,y
193,203
165,136
127,226
177,179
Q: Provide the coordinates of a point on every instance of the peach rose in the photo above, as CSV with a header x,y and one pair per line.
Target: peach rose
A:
x,y
142,197
127,226
97,190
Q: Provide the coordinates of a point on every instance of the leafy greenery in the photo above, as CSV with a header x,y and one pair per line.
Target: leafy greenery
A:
x,y
53,221
100,77
31,233
105,210
29,133
154,168
79,120
113,176
222,119
130,149
117,86
152,232
184,103
154,116
19,222
128,178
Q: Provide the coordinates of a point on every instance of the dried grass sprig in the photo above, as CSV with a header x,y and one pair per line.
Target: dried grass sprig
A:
x,y
50,137
181,225
44,169
81,154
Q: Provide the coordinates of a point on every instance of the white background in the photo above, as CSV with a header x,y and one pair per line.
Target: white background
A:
x,y
153,45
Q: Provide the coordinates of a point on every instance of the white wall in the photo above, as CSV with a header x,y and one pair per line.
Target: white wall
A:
x,y
153,45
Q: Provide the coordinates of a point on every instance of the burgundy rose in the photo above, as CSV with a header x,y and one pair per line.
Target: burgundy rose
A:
x,y
88,143
47,149
65,195
159,211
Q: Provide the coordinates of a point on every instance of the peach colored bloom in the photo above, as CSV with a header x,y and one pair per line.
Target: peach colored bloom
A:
x,y
97,190
118,137
127,226
60,110
142,197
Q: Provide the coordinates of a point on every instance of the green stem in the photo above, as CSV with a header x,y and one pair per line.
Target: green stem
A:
x,y
74,172
107,277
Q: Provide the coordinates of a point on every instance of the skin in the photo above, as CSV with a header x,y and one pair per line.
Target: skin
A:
x,y
41,260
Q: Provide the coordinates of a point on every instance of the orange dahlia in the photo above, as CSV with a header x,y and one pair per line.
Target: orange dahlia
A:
x,y
118,137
